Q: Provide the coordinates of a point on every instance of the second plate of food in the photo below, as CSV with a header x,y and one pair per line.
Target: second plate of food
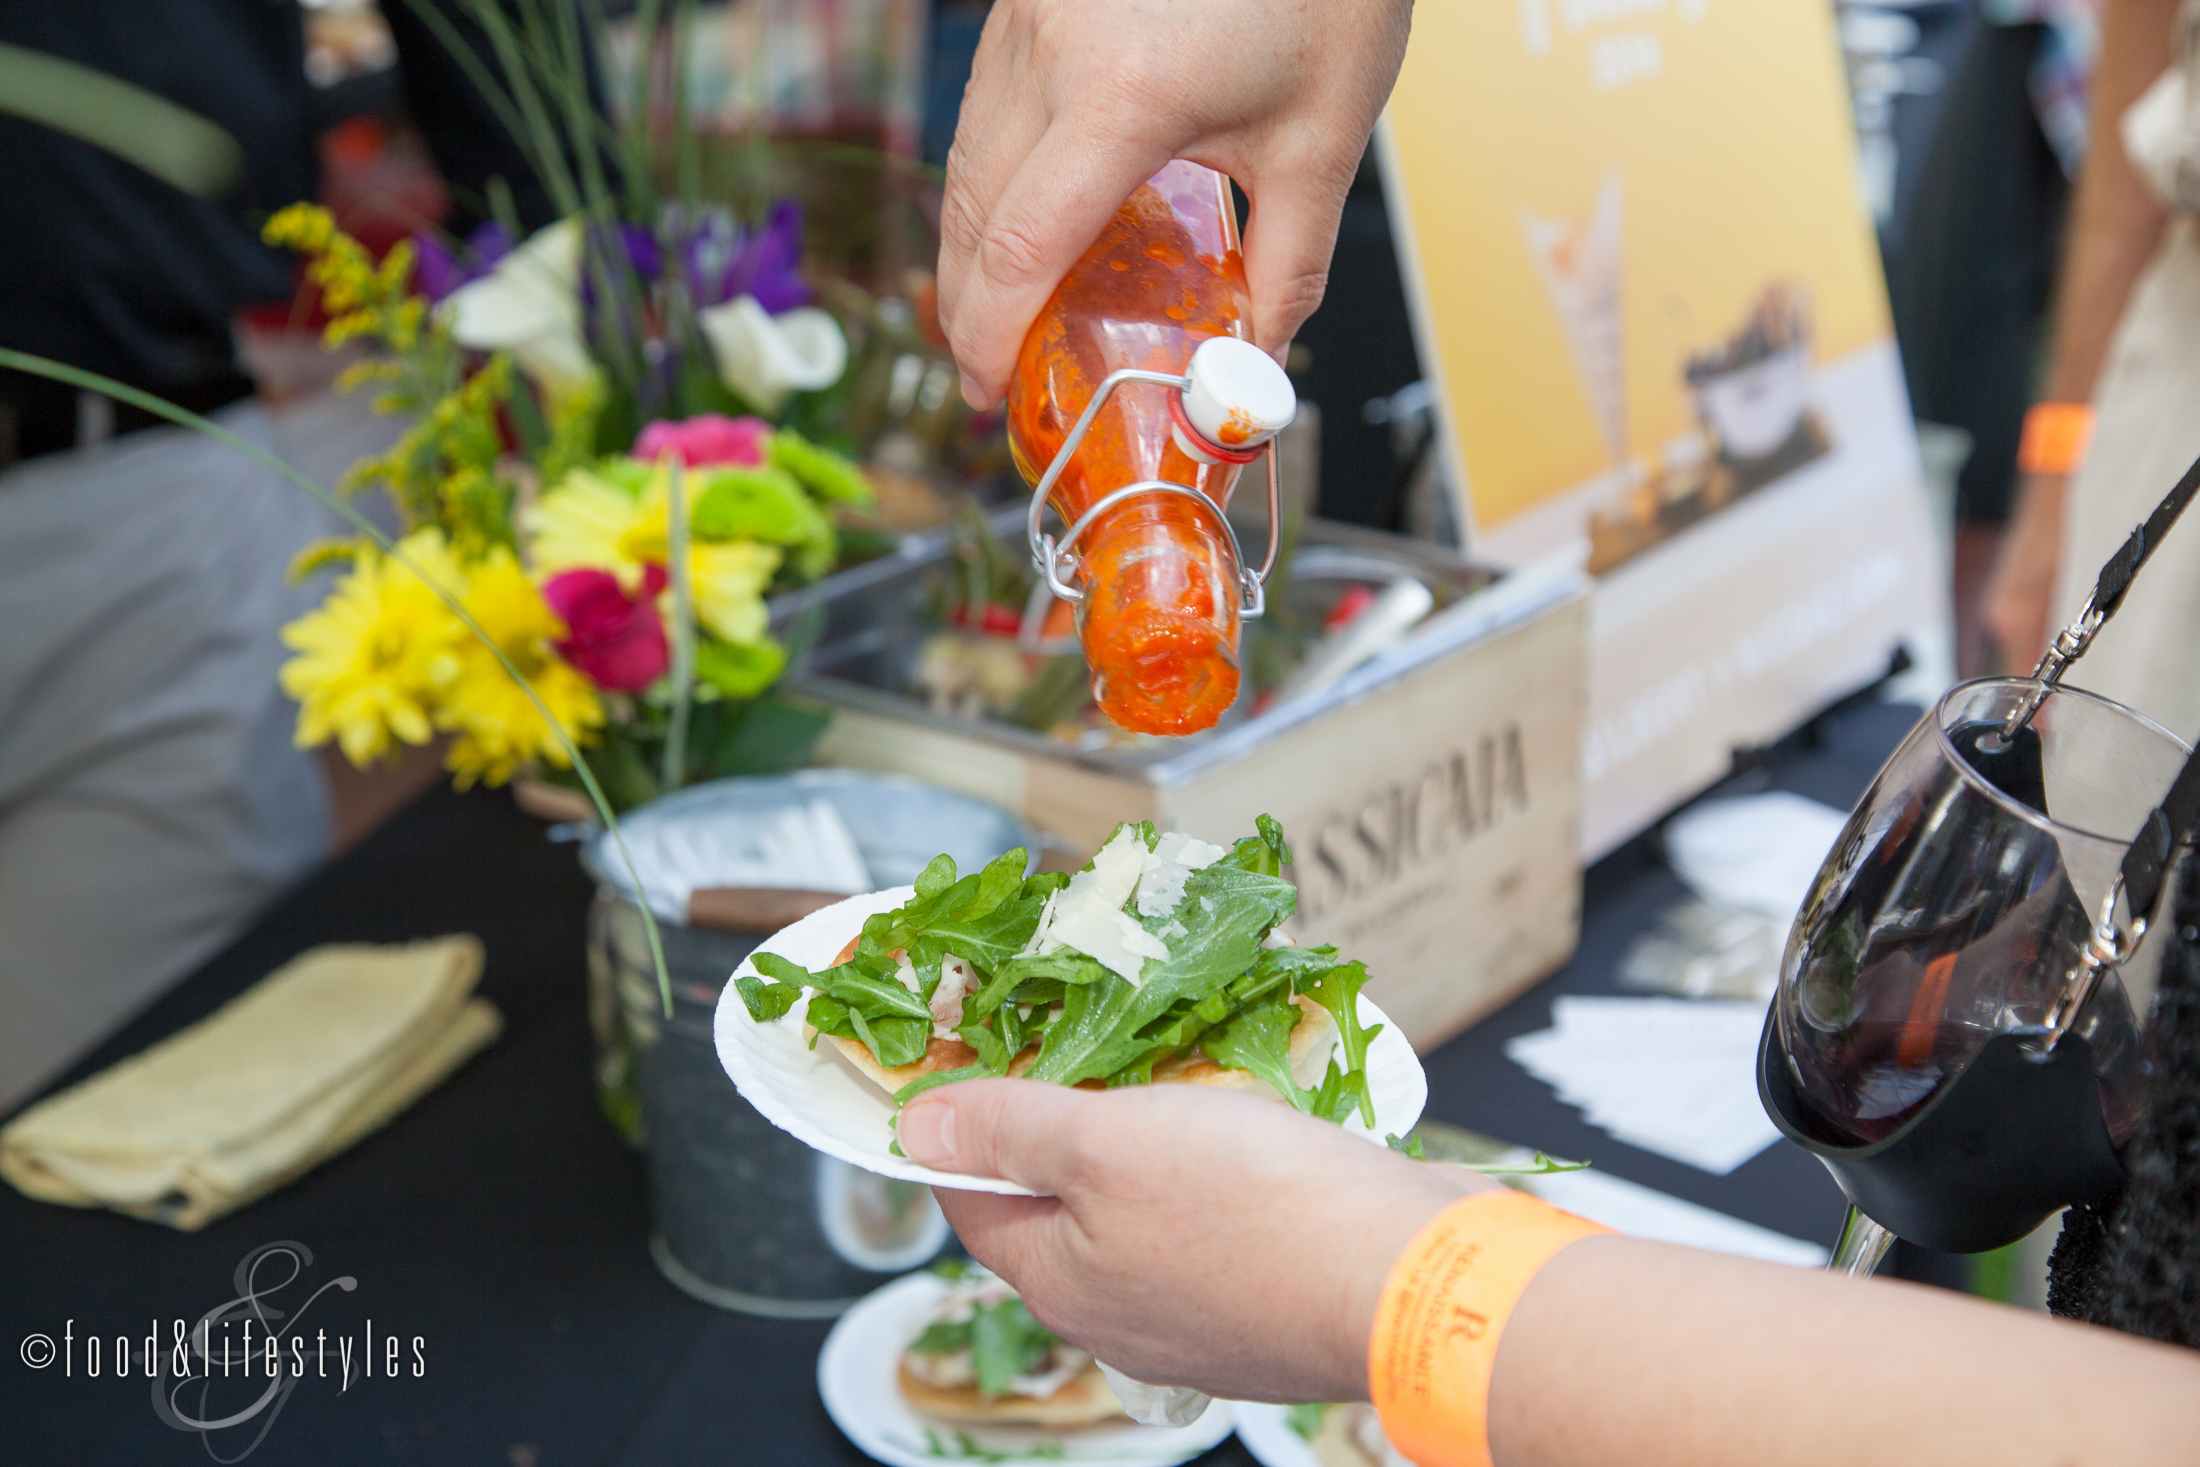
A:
x,y
916,1409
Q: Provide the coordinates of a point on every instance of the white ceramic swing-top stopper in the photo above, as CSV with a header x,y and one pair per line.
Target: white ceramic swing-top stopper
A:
x,y
1236,397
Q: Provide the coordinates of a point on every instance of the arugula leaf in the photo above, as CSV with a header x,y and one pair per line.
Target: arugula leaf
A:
x,y
937,876
896,1041
1305,1420
1259,1040
1404,1147
1542,1166
828,1016
767,1001
888,1019
1003,1339
1264,854
1064,965
941,1337
1341,1093
999,1037
990,1045
965,1448
1278,966
866,993
1228,910
985,918
938,1078
1005,1342
1338,990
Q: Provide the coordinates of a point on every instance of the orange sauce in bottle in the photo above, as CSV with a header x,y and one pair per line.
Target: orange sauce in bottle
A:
x,y
1159,622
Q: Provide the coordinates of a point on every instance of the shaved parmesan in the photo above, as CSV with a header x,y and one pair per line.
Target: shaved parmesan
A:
x,y
1039,941
1167,867
1115,871
1088,914
1108,934
957,978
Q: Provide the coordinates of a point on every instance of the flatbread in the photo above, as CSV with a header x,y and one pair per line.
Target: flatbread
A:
x,y
1311,1043
1082,1401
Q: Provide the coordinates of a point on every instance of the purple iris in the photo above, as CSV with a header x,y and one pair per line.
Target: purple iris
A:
x,y
724,261
641,250
438,270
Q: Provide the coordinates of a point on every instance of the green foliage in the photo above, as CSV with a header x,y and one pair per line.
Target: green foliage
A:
x,y
770,734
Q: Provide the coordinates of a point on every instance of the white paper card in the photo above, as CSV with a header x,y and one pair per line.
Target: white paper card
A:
x,y
1673,1076
1756,851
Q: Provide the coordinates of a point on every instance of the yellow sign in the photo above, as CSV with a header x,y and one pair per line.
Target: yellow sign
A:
x,y
1613,210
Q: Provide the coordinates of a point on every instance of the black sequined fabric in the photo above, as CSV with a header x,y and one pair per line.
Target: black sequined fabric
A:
x,y
2139,1269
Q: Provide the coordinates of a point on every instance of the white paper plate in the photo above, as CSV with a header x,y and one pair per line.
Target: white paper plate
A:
x,y
820,1099
1267,1434
856,1376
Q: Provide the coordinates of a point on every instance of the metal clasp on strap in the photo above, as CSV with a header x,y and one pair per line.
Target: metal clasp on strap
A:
x,y
1052,559
2108,947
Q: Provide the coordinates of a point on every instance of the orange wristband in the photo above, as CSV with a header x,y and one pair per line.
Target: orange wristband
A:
x,y
2055,437
1442,1313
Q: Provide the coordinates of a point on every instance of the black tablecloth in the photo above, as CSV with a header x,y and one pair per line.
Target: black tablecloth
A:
x,y
502,1223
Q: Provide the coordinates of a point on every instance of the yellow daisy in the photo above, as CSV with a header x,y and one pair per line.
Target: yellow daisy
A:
x,y
373,658
729,581
498,727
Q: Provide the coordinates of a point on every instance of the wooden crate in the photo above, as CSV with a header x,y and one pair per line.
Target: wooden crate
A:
x,y
1431,809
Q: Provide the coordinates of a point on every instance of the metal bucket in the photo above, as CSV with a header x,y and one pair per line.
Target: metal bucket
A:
x,y
746,1217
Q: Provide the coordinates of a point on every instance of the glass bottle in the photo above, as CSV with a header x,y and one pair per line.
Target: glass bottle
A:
x,y
1159,618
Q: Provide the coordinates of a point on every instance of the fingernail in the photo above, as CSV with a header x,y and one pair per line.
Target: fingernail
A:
x,y
972,393
928,1132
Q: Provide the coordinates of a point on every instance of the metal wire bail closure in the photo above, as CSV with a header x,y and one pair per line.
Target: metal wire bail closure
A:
x,y
1053,560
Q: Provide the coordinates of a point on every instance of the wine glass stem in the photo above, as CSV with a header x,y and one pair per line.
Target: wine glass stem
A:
x,y
1863,1243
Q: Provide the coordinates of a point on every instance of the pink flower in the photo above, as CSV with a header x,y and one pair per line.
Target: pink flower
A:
x,y
617,641
712,438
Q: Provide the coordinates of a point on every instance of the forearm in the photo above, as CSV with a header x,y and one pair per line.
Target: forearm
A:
x,y
1624,1351
2115,222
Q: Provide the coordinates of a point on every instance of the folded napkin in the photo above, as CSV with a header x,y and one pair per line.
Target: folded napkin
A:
x,y
288,1074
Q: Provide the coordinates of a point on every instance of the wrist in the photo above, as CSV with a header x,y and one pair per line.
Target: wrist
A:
x,y
1427,1191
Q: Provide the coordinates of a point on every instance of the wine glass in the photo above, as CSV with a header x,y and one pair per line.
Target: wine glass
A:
x,y
1955,906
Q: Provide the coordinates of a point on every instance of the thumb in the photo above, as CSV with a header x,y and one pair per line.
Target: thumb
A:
x,y
1289,238
1019,1130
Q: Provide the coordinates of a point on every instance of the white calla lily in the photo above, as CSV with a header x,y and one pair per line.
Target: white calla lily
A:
x,y
765,357
529,305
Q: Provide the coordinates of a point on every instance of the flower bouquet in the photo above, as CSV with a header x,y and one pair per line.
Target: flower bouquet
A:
x,y
599,511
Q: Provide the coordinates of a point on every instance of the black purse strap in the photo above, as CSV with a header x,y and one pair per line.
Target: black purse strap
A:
x,y
2116,576
2169,825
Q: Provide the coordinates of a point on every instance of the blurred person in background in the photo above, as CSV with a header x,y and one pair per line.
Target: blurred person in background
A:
x,y
1973,247
2125,367
150,796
